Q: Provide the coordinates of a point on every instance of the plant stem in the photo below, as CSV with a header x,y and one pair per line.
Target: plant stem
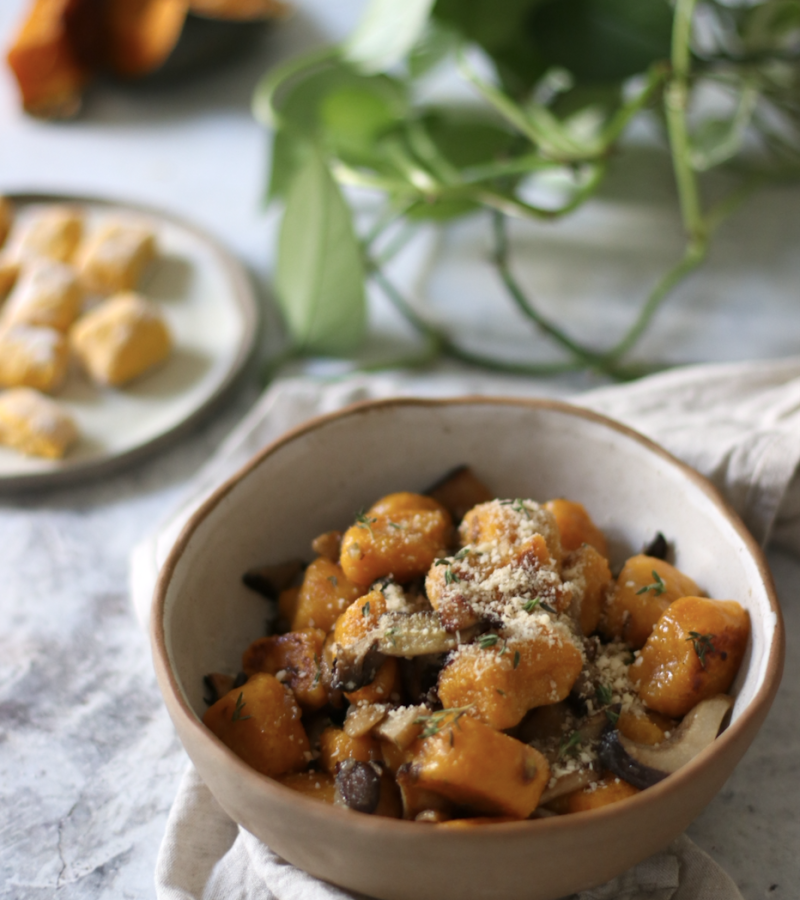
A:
x,y
582,354
399,241
676,99
449,348
694,254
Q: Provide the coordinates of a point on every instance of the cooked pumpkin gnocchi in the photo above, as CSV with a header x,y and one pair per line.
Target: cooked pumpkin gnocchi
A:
x,y
453,659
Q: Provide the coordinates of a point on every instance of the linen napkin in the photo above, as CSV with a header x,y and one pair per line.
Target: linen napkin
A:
x,y
739,424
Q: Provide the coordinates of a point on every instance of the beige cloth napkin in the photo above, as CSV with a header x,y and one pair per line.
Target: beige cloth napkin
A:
x,y
739,424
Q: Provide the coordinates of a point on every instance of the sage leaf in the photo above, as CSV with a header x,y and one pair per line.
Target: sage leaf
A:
x,y
387,31
320,277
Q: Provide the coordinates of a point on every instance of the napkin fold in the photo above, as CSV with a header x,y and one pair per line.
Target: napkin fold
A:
x,y
738,424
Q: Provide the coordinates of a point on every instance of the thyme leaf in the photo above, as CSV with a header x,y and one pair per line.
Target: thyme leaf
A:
x,y
450,576
518,506
658,587
364,521
240,705
703,644
604,694
365,609
569,746
485,641
435,721
530,605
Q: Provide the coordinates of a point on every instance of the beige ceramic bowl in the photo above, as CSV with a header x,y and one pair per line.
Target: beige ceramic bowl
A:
x,y
315,479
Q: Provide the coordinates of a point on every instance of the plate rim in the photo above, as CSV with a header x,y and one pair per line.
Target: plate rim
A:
x,y
244,297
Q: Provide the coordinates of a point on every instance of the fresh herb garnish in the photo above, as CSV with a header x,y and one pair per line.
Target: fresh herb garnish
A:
x,y
612,715
450,576
604,694
516,658
395,524
658,587
703,644
502,693
365,609
435,721
485,641
530,605
240,705
569,746
364,521
518,506
462,554
333,580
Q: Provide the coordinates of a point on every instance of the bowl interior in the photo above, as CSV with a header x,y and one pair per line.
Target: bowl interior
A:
x,y
319,477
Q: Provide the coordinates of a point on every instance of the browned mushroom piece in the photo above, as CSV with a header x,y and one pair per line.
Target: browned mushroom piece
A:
x,y
367,788
269,581
459,491
644,765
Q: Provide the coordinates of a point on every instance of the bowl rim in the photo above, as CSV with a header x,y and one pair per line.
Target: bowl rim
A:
x,y
755,710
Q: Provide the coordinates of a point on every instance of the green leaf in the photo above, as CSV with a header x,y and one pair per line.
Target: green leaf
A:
x,y
467,141
500,28
438,41
355,115
387,31
289,152
602,41
320,278
343,111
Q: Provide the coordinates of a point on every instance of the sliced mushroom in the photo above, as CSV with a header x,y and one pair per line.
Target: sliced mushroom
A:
x,y
356,666
418,634
401,726
365,787
358,785
433,816
360,720
269,581
566,784
644,765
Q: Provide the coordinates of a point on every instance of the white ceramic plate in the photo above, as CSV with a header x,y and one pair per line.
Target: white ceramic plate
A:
x,y
211,309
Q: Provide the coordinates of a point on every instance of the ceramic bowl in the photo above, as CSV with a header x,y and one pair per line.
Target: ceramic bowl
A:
x,y
313,480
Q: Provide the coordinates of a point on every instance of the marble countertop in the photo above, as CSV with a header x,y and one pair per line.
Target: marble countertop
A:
x,y
89,762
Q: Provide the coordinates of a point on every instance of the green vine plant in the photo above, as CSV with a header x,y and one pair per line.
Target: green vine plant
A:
x,y
567,79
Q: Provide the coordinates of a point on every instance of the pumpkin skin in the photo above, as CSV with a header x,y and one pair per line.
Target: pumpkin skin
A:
x,y
62,44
